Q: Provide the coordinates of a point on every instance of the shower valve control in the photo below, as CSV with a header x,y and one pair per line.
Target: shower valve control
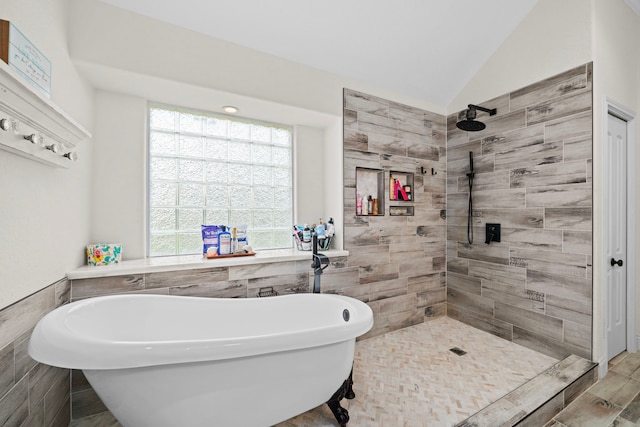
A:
x,y
614,262
492,233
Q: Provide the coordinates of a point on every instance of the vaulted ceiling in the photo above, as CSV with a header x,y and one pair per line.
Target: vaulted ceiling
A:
x,y
426,49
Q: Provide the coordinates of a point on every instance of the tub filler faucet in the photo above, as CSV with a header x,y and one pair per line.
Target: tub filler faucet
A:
x,y
317,263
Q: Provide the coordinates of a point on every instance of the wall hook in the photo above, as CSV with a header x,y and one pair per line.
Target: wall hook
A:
x,y
423,171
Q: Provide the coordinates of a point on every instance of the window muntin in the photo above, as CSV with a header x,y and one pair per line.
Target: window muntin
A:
x,y
206,168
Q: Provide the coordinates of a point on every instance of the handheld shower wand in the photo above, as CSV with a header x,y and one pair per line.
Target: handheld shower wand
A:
x,y
470,175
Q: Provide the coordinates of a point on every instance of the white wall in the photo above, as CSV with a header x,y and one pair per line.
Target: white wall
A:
x,y
102,34
119,171
616,36
44,219
309,173
553,38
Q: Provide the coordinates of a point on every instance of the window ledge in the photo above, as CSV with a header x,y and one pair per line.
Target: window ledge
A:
x,y
192,262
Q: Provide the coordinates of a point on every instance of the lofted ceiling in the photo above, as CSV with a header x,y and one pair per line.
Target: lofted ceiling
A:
x,y
426,49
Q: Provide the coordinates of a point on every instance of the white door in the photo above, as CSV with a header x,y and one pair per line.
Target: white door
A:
x,y
616,205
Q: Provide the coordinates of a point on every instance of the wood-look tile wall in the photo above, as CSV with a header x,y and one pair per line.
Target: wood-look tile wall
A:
x,y
31,394
533,176
217,282
398,262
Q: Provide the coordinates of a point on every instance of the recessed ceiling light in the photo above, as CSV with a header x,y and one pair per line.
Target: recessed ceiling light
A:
x,y
230,109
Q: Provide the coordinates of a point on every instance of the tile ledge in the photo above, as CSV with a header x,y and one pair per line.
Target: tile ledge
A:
x,y
510,409
192,262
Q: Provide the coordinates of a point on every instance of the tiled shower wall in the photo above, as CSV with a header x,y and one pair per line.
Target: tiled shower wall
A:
x,y
31,394
398,261
533,176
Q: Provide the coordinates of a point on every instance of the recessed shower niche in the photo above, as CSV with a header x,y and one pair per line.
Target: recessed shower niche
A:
x,y
369,192
401,186
401,191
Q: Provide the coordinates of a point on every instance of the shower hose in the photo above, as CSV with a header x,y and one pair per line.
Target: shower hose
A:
x,y
470,214
469,225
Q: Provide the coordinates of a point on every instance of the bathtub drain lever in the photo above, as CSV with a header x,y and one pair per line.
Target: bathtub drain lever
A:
x,y
318,260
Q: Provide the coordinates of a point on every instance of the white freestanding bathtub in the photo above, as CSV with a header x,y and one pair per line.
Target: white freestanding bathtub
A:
x,y
182,361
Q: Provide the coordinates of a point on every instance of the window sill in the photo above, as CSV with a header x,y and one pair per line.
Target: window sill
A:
x,y
192,262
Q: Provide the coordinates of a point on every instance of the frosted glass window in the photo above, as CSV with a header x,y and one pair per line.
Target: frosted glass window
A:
x,y
191,194
215,149
262,175
261,153
163,193
217,127
162,143
191,146
213,169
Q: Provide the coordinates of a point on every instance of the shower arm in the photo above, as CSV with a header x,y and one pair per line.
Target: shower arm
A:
x,y
491,111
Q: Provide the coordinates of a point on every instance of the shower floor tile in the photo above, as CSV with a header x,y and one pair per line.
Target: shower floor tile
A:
x,y
409,377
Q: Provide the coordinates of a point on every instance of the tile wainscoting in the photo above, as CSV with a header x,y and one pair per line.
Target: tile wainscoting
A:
x,y
31,394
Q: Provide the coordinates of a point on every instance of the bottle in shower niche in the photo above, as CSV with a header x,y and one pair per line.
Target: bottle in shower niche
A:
x,y
392,184
224,242
358,205
370,205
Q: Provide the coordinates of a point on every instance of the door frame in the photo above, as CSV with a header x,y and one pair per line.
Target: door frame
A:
x,y
629,116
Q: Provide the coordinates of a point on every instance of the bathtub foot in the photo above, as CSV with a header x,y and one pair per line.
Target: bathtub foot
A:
x,y
341,414
349,393
345,390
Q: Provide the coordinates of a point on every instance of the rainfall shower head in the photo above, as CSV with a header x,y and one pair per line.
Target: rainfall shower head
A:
x,y
470,124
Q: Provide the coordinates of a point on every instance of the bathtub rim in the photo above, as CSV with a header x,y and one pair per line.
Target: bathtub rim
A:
x,y
65,348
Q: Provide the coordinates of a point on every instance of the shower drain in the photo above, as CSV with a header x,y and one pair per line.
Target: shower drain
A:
x,y
458,351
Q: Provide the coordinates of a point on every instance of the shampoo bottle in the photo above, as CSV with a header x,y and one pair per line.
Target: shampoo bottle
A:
x,y
234,240
331,229
224,242
392,183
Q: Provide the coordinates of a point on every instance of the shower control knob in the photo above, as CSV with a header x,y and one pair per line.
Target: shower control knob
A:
x,y
614,262
5,124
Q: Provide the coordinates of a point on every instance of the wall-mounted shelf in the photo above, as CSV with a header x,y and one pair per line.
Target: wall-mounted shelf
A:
x,y
401,210
27,112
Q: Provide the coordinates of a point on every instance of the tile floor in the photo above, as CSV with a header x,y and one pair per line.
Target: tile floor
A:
x,y
613,401
410,378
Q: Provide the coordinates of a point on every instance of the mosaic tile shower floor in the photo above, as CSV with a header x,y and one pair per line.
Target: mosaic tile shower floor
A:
x,y
409,377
